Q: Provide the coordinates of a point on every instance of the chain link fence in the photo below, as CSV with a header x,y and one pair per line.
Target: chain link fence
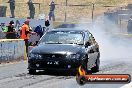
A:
x,y
66,10
63,12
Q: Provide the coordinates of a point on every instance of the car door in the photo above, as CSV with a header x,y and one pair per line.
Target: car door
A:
x,y
90,50
95,47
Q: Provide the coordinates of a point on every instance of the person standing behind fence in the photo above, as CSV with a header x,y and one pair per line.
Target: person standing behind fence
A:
x,y
12,7
11,33
129,26
25,31
31,8
51,12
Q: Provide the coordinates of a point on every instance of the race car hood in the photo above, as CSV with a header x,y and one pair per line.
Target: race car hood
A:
x,y
57,48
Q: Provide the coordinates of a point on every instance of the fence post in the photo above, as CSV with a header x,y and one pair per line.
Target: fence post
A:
x,y
92,12
65,11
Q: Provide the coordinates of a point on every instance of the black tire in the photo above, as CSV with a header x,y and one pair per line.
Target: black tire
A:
x,y
31,71
85,66
81,80
96,68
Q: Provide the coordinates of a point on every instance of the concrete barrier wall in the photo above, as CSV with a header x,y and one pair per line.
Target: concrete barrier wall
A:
x,y
12,50
2,35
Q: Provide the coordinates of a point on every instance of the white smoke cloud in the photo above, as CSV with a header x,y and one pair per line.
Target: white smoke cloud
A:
x,y
113,44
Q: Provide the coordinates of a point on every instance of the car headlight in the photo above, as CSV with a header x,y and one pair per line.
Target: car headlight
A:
x,y
36,56
73,56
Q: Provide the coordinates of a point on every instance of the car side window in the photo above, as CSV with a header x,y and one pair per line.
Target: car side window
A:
x,y
86,36
91,38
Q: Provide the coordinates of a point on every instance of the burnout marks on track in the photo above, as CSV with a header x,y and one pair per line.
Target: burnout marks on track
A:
x,y
25,80
113,68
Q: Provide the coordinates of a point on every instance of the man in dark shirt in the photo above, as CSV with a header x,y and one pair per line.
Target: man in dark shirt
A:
x,y
39,30
12,7
31,8
129,25
11,34
51,13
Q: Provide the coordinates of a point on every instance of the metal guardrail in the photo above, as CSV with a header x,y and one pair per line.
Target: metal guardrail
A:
x,y
12,50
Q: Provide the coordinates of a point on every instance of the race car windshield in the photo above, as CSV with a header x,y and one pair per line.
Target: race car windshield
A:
x,y
63,38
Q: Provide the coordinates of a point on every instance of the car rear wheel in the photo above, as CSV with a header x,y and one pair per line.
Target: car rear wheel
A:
x,y
31,71
86,68
96,68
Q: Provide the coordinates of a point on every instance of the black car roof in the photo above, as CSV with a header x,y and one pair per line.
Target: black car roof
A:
x,y
69,29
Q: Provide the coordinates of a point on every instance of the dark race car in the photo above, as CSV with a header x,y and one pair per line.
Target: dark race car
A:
x,y
65,49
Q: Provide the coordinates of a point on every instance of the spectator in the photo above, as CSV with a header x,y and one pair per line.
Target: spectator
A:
x,y
11,33
12,7
25,31
129,26
51,13
39,31
32,9
47,24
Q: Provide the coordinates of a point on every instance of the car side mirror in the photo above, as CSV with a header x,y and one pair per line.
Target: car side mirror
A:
x,y
87,44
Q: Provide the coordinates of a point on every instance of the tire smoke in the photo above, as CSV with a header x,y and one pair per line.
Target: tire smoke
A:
x,y
114,44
